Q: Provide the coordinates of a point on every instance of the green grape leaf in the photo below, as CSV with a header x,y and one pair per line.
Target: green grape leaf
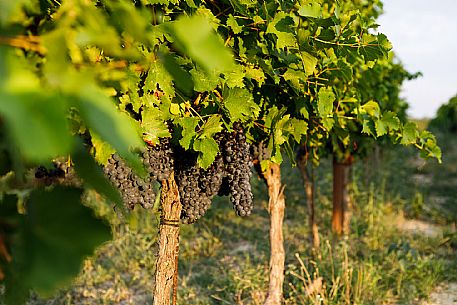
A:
x,y
157,33
240,105
280,130
312,9
37,122
95,32
163,1
181,78
368,127
103,150
190,3
429,145
301,107
370,52
326,97
276,155
290,151
295,78
208,149
235,77
175,108
391,120
344,69
309,61
131,20
297,128
381,127
242,6
281,26
273,116
133,100
153,125
284,130
52,239
204,82
431,150
8,9
384,43
188,133
255,74
203,45
212,126
209,16
370,48
409,134
101,116
233,24
35,117
159,78
371,108
328,123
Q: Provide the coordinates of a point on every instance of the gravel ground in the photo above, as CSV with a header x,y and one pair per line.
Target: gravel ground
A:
x,y
443,295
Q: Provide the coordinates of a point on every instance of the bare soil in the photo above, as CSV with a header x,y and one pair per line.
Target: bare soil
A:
x,y
445,294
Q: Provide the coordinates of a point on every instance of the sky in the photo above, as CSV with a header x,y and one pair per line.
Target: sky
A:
x,y
424,37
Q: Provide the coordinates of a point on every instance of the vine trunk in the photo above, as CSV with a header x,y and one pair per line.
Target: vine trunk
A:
x,y
276,207
165,289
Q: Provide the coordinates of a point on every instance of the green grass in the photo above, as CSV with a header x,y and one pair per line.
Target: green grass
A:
x,y
224,258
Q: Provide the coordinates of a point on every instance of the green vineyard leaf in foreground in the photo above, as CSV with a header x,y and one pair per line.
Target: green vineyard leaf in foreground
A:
x,y
50,241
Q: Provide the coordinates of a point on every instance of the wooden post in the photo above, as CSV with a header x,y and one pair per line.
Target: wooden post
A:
x,y
167,267
276,207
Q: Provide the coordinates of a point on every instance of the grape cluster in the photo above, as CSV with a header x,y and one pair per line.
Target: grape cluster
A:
x,y
56,174
194,201
134,189
211,178
259,152
238,164
197,186
159,160
228,175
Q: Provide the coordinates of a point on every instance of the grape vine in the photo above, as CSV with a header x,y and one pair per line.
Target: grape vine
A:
x,y
275,72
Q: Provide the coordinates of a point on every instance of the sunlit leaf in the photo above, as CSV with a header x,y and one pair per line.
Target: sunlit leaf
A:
x,y
203,45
